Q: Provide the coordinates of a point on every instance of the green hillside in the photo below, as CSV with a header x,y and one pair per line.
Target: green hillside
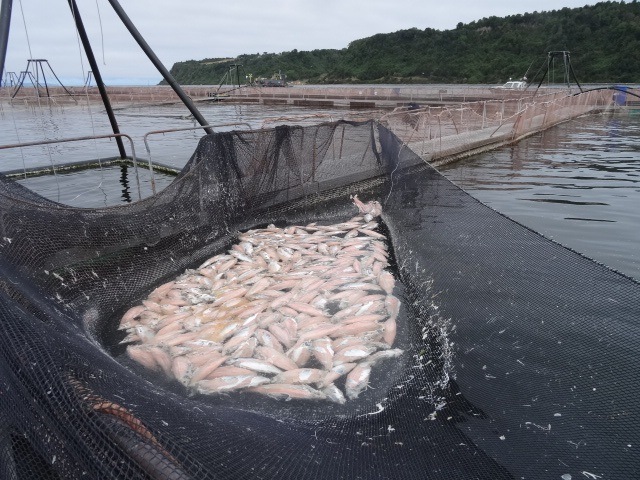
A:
x,y
604,41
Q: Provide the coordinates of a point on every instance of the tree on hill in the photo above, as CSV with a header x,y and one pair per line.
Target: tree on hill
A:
x,y
604,41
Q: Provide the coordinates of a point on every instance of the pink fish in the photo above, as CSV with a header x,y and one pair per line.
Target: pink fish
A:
x,y
357,380
205,370
306,308
267,339
389,331
246,348
182,369
162,358
386,281
231,371
143,355
276,358
323,352
334,394
227,384
383,355
372,317
131,314
357,329
352,354
300,376
336,372
260,366
281,334
319,331
288,391
300,354
241,336
392,305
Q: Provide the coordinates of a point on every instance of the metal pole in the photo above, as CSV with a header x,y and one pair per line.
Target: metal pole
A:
x,y
5,23
96,74
158,64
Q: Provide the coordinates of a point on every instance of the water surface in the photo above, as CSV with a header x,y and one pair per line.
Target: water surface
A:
x,y
577,183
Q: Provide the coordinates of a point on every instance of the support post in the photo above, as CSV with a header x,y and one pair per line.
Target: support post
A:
x,y
5,23
96,74
158,64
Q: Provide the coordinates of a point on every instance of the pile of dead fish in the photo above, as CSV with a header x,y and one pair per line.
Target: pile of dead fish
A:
x,y
295,312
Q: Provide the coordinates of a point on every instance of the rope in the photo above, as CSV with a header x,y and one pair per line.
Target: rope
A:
x,y
101,32
24,22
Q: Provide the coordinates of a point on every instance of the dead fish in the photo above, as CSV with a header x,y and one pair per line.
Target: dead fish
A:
x,y
358,329
227,384
352,354
242,335
231,371
162,358
300,354
392,304
334,394
267,339
202,372
373,207
237,292
336,372
259,286
357,380
241,256
260,366
300,376
323,352
319,331
182,370
142,354
386,281
372,317
287,391
389,331
146,334
131,314
281,335
384,355
306,308
246,348
276,358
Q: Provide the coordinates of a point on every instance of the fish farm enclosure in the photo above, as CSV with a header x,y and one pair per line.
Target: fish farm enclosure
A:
x,y
315,302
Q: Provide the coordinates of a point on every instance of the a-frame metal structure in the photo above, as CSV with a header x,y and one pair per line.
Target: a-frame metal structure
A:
x,y
5,23
567,68
35,73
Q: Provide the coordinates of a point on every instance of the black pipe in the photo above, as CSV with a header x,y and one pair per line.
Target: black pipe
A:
x,y
5,23
158,64
96,74
574,76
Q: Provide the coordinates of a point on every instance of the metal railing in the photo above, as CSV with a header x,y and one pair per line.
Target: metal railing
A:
x,y
79,139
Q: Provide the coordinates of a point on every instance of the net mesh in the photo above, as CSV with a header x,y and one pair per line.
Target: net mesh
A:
x,y
440,134
519,353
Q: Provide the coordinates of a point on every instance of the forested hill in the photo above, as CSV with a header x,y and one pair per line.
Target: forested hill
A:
x,y
604,41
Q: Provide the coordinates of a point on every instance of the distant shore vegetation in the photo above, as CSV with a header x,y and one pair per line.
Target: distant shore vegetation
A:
x,y
603,41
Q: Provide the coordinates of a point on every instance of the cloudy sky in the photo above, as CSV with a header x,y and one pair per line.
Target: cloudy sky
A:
x,y
179,30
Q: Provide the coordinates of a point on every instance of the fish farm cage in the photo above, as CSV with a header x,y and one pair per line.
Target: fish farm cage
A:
x,y
513,356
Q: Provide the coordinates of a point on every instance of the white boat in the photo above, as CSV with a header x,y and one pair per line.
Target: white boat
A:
x,y
512,85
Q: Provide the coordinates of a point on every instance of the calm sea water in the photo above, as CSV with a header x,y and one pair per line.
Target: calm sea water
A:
x,y
577,183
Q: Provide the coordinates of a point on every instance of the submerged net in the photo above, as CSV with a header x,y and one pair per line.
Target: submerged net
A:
x,y
518,355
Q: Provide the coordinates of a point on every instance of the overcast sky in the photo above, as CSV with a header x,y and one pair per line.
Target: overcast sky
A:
x,y
179,30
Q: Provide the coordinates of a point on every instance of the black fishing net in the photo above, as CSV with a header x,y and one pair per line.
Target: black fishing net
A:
x,y
519,355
